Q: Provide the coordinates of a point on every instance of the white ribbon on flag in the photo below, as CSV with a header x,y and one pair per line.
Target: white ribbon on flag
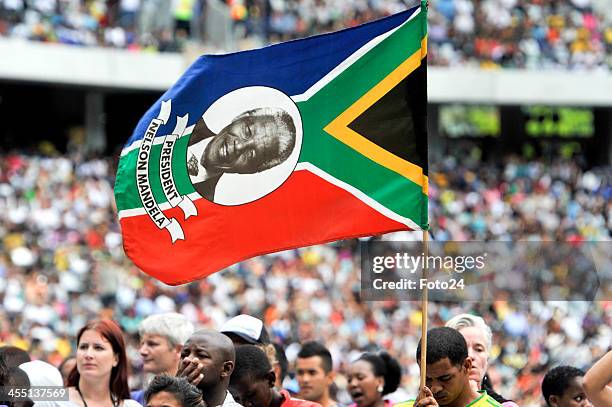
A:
x,y
142,177
165,170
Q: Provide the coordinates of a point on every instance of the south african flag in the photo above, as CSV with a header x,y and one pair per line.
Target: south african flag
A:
x,y
298,143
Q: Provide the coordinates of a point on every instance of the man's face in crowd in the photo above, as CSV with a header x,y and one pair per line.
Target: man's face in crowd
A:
x,y
447,381
208,355
311,377
243,146
158,355
573,396
252,392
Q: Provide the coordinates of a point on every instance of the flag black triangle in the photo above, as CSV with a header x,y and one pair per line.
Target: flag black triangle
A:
x,y
397,122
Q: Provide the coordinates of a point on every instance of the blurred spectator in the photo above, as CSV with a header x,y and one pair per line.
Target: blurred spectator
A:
x,y
66,367
519,200
17,379
3,372
563,34
519,34
283,365
13,356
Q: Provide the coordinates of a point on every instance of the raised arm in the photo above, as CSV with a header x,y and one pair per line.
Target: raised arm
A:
x,y
597,382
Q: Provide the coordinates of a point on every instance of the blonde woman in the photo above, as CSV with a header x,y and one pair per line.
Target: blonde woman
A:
x,y
479,340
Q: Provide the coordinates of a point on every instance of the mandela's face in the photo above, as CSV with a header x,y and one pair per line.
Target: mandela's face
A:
x,y
244,146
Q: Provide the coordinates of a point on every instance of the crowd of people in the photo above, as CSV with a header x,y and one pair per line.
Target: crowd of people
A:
x,y
62,265
518,199
543,34
238,366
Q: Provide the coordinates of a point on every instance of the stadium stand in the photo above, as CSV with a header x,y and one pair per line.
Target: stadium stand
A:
x,y
567,34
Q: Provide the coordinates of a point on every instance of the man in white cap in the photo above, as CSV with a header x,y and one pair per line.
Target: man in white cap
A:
x,y
247,330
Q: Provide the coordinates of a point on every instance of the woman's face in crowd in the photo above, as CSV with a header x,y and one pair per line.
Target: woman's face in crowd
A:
x,y
477,351
363,384
95,356
573,396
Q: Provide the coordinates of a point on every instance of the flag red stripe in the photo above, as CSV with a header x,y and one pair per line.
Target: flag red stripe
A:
x,y
307,210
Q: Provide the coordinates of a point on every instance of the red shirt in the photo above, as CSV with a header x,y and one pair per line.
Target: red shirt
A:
x,y
289,401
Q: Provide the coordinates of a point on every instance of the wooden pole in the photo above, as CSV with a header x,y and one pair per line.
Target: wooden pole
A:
x,y
424,302
425,299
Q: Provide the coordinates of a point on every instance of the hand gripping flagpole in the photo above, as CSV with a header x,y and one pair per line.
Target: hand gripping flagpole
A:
x,y
424,302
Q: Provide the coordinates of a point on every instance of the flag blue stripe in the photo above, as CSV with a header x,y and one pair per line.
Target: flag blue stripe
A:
x,y
291,67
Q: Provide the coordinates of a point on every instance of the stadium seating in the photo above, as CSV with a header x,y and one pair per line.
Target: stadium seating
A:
x,y
565,34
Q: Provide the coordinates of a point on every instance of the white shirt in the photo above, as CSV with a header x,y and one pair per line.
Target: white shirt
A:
x,y
229,401
197,150
126,403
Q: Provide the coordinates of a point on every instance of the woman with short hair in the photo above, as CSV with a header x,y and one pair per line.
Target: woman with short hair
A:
x,y
479,340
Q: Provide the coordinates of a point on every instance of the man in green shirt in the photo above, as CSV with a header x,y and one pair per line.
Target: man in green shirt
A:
x,y
448,373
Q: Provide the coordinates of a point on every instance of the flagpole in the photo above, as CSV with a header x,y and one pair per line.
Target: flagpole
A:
x,y
424,302
425,299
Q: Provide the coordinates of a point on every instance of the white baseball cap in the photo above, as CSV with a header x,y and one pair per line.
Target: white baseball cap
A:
x,y
248,328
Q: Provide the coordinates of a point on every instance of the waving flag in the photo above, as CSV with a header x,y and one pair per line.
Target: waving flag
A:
x,y
294,144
